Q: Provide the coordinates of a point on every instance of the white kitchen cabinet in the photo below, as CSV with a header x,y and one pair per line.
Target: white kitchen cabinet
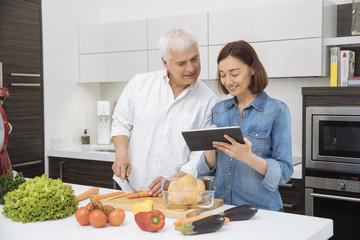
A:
x,y
112,67
213,55
113,37
292,58
155,63
280,21
287,36
196,23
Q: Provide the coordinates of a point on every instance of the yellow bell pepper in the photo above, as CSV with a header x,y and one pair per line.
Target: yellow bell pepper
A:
x,y
144,206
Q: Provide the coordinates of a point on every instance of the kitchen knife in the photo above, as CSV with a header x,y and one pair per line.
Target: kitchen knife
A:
x,y
132,188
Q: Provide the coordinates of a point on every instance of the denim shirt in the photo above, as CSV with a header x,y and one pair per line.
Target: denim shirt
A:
x,y
266,123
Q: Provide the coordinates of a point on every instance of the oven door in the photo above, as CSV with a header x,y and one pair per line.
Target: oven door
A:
x,y
343,209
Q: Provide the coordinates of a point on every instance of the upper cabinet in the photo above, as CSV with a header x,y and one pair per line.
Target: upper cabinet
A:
x,y
113,37
113,52
196,23
281,21
289,38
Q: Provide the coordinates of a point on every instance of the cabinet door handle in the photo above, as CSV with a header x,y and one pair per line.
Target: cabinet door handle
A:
x,y
286,185
25,74
61,163
288,205
25,84
1,75
26,163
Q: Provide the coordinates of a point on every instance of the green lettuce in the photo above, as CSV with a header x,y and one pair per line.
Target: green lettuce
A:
x,y
40,199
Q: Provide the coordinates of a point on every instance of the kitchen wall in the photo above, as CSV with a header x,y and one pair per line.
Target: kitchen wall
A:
x,y
71,106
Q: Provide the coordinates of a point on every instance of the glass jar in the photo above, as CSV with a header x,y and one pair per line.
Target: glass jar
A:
x,y
355,26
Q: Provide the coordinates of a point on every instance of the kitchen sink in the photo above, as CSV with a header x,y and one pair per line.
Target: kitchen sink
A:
x,y
105,150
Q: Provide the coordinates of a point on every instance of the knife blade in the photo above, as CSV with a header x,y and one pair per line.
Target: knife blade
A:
x,y
132,188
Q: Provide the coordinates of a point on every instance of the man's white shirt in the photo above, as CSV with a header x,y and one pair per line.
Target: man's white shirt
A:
x,y
149,115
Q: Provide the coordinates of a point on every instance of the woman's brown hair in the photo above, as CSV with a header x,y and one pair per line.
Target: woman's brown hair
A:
x,y
244,52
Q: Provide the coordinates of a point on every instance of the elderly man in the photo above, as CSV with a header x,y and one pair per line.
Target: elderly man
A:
x,y
153,110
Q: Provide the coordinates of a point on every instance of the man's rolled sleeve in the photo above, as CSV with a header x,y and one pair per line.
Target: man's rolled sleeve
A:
x,y
118,128
272,176
190,166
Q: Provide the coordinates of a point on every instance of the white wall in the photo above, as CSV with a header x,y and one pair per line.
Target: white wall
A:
x,y
69,107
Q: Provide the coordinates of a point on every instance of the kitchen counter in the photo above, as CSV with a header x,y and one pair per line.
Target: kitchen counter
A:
x,y
106,153
264,225
86,152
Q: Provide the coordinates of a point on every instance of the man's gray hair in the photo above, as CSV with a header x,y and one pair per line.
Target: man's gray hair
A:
x,y
176,39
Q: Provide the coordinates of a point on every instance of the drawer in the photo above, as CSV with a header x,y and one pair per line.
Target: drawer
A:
x,y
291,194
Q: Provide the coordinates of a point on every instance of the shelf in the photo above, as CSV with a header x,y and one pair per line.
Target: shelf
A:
x,y
353,41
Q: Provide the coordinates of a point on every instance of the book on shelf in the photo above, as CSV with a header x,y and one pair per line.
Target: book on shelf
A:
x,y
353,81
334,66
347,66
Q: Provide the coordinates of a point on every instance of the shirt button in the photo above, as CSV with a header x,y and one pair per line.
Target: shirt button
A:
x,y
235,123
230,159
229,174
256,134
228,187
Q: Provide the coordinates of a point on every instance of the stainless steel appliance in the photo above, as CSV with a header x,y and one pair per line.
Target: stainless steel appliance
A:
x,y
332,167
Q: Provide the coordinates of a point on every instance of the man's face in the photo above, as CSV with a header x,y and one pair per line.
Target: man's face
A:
x,y
183,66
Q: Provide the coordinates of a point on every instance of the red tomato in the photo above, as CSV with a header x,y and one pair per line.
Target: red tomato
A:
x,y
82,216
108,209
116,217
93,206
97,218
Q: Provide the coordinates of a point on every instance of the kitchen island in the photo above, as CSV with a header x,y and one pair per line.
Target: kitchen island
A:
x,y
264,225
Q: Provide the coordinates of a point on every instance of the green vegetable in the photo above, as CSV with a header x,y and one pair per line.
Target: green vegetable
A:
x,y
40,199
9,182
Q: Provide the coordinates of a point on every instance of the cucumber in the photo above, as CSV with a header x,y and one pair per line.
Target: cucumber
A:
x,y
239,213
204,225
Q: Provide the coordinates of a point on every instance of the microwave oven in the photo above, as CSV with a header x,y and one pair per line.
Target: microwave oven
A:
x,y
332,139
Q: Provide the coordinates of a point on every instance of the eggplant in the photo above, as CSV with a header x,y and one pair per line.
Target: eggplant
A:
x,y
239,213
204,225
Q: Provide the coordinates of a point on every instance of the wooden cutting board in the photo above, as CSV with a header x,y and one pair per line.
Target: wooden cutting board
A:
x,y
125,204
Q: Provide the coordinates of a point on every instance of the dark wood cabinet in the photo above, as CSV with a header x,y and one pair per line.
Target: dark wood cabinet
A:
x,y
85,172
22,72
292,196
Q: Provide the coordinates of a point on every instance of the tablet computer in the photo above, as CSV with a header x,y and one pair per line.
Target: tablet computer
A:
x,y
201,139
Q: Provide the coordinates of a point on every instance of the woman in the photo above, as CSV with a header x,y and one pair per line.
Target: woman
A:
x,y
248,173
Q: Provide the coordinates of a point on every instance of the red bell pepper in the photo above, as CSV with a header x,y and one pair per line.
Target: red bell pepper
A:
x,y
150,221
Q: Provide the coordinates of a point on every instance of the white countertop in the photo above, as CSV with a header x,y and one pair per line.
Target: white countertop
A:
x,y
101,153
87,152
264,225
